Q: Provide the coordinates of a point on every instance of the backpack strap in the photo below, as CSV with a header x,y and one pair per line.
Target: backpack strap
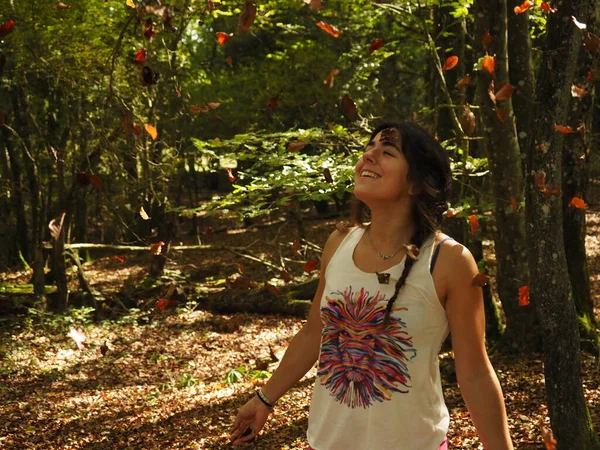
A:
x,y
436,252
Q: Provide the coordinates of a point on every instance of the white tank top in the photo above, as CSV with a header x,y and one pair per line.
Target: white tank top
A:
x,y
376,388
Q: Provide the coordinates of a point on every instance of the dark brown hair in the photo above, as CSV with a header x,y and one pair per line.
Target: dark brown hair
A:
x,y
429,171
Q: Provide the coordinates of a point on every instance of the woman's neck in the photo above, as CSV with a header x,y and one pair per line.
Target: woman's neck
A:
x,y
391,231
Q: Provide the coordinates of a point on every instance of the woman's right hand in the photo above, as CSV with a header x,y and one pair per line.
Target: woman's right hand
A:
x,y
250,420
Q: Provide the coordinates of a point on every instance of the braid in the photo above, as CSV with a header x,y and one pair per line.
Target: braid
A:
x,y
417,240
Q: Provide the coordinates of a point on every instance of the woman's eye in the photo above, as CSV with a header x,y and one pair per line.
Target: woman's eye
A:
x,y
388,153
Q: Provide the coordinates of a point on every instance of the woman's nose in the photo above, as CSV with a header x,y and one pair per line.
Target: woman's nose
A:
x,y
369,156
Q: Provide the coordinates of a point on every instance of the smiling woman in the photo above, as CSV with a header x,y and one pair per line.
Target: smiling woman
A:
x,y
392,287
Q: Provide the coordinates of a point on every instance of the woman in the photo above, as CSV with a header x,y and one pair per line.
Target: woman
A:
x,y
389,293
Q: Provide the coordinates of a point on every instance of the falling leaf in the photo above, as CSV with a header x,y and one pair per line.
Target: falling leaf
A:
x,y
230,174
331,77
515,206
578,92
412,251
591,42
162,304
314,4
486,39
481,279
464,81
212,105
581,128
149,77
296,246
239,282
61,5
327,175
77,335
329,29
130,3
523,7
151,130
348,107
229,62
453,212
564,129
590,75
82,179
7,27
276,292
56,226
489,65
578,24
137,130
119,259
310,265
473,223
450,63
270,107
524,296
540,180
505,92
577,202
149,32
96,181
223,38
156,248
546,7
246,18
144,214
548,438
294,147
468,121
377,43
501,113
140,55
542,147
197,109
207,230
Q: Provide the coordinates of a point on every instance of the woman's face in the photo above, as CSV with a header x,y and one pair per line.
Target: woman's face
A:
x,y
381,174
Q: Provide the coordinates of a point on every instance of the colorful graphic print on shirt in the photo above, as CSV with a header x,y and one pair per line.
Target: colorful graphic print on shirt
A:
x,y
362,361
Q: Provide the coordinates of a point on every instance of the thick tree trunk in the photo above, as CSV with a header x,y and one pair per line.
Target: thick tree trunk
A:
x,y
550,283
500,136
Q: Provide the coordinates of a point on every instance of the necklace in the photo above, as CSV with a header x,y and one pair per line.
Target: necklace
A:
x,y
381,255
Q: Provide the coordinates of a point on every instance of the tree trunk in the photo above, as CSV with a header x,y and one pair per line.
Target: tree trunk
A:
x,y
550,284
500,137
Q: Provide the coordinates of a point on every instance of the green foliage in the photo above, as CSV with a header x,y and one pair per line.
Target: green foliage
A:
x,y
242,372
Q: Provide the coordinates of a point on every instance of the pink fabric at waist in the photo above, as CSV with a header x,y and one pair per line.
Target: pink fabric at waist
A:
x,y
443,445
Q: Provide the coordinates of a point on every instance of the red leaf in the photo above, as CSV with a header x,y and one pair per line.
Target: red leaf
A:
x,y
564,129
296,246
515,206
314,4
377,43
348,107
223,38
96,181
481,279
501,113
246,18
197,109
489,65
163,304
474,223
207,230
140,55
505,92
83,179
270,107
156,248
524,296
486,39
273,290
577,202
7,27
453,212
311,265
119,258
331,77
149,33
137,129
548,438
524,7
450,63
540,181
591,75
229,62
464,81
546,7
578,92
329,29
296,146
230,174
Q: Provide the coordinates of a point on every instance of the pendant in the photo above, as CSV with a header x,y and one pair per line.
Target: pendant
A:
x,y
383,278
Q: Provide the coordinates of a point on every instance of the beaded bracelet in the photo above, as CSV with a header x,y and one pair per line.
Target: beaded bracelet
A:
x,y
263,398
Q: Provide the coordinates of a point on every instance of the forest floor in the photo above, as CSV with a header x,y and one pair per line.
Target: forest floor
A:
x,y
174,379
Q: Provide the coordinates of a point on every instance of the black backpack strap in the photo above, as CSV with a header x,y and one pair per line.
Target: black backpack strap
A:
x,y
436,252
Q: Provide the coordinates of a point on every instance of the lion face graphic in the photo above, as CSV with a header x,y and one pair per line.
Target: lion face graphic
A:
x,y
361,361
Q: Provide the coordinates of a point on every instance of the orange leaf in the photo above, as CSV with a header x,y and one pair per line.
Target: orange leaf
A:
x,y
229,62
140,55
96,181
296,146
329,29
591,75
486,39
377,43
540,181
223,38
450,63
331,77
156,248
273,290
151,130
130,4
119,258
230,174
453,212
296,246
546,7
314,4
464,81
578,92
563,129
577,202
197,109
524,296
515,206
501,113
348,107
523,7
7,27
163,304
270,107
311,265
489,65
481,279
548,438
506,91
591,42
474,223
246,18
